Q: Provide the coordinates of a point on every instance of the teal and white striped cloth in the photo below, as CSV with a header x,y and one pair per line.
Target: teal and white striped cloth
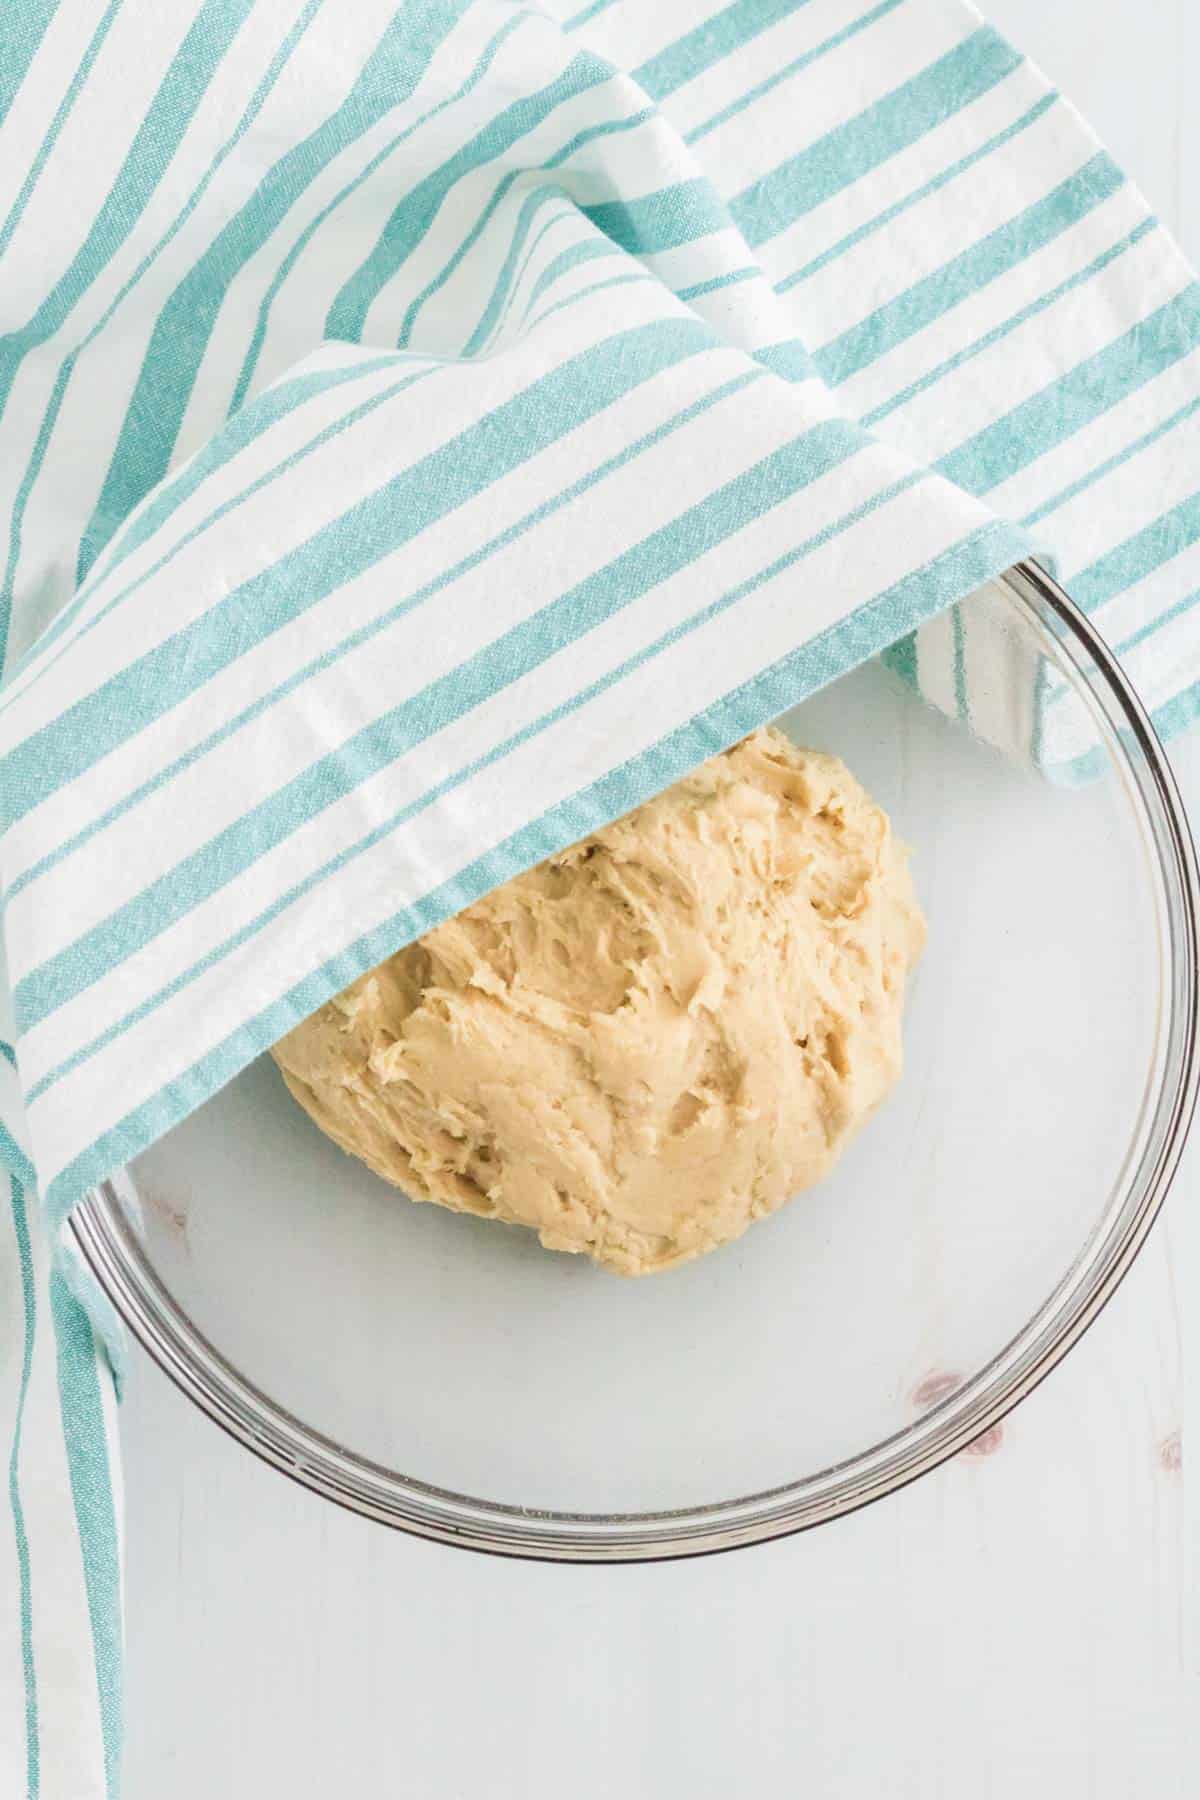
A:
x,y
427,430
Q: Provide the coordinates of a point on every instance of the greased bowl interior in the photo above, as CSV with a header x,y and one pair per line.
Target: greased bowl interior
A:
x,y
449,1376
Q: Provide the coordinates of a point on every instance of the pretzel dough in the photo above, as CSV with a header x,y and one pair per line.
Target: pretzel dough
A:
x,y
652,1039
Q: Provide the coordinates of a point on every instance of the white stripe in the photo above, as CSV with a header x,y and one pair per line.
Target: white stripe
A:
x,y
748,314
935,661
1000,664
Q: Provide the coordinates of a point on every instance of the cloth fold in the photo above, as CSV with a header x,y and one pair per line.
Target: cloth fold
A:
x,y
431,428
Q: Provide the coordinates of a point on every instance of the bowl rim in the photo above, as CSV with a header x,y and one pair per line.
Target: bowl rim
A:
x,y
104,1236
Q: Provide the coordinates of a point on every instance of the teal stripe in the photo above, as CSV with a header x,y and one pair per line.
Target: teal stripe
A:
x,y
754,94
1011,324
1083,394
317,665
508,278
14,1159
91,1491
154,144
1111,463
1166,537
958,571
901,658
98,1309
606,128
438,281
846,154
24,27
1138,556
258,335
932,186
967,273
789,360
250,424
597,287
182,331
1172,717
1180,610
410,221
733,279
561,218
25,1585
711,42
960,665
591,250
67,369
373,528
61,114
516,653
663,220
586,13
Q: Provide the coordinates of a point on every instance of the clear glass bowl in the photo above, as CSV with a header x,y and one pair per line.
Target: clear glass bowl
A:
x,y
448,1376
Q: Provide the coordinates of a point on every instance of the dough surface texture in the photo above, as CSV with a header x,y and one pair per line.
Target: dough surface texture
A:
x,y
650,1040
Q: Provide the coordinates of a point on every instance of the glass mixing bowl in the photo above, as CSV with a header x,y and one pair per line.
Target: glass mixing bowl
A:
x,y
449,1376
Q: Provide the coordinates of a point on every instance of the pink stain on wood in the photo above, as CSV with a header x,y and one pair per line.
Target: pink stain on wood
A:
x,y
938,1385
1170,1453
987,1443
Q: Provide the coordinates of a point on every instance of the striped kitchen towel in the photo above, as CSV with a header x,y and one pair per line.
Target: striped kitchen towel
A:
x,y
429,429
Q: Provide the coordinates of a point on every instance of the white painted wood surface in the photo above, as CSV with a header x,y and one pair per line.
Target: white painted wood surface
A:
x,y
1021,1622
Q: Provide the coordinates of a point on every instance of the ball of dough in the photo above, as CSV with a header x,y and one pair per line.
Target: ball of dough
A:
x,y
650,1040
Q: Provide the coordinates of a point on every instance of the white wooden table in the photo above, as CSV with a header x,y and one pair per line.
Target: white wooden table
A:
x,y
1018,1623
